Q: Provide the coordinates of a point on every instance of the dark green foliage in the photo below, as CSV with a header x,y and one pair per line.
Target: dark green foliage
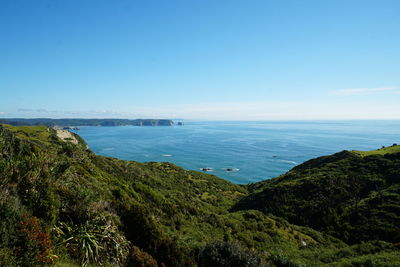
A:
x,y
38,195
7,257
143,231
351,197
140,258
10,216
228,254
100,210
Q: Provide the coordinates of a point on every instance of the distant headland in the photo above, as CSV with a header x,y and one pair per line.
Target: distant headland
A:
x,y
86,122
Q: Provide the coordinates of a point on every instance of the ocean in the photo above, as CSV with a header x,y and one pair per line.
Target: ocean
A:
x,y
240,151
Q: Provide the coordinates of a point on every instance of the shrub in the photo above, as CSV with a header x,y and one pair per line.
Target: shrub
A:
x,y
95,241
228,254
34,246
141,258
7,257
10,215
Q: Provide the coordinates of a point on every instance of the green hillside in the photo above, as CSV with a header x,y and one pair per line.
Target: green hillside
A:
x,y
381,151
61,204
353,198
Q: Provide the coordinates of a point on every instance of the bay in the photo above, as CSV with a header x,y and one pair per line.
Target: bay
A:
x,y
251,150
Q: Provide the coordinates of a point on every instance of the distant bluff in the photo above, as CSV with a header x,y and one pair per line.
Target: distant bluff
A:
x,y
86,122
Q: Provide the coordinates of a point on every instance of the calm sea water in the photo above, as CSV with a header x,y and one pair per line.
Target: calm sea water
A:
x,y
254,150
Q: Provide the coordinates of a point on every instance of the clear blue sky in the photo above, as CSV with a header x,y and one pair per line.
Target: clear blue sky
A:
x,y
200,59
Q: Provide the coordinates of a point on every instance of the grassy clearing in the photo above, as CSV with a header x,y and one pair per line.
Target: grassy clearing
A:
x,y
37,134
381,151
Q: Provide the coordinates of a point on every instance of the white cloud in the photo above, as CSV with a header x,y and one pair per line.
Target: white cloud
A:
x,y
364,91
38,110
44,113
285,110
3,113
261,110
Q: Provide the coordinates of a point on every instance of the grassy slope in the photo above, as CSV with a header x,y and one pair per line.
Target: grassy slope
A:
x,y
38,134
381,151
164,210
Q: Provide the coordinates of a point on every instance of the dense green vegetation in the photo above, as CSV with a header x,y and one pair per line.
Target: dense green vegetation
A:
x,y
345,195
86,122
62,204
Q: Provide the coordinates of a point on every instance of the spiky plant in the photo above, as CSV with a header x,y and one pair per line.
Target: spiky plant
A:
x,y
92,242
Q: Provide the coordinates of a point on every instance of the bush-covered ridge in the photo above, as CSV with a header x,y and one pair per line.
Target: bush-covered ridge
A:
x,y
355,198
62,204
